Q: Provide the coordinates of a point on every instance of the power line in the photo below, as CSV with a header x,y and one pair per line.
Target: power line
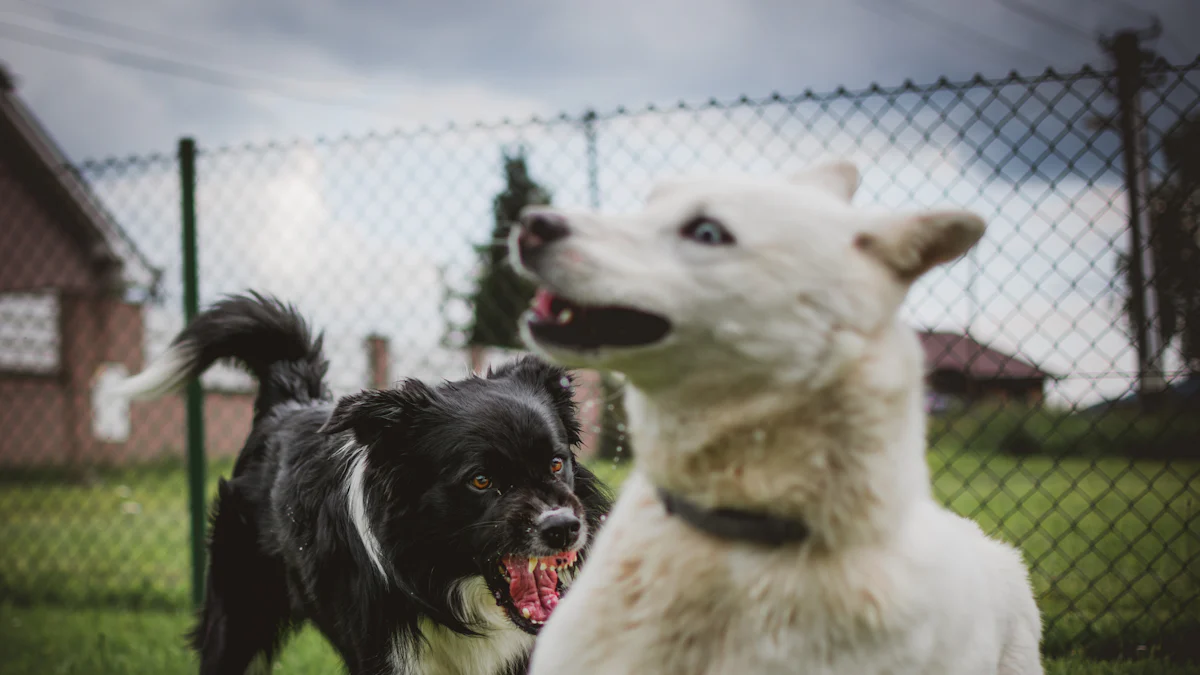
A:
x,y
157,64
1047,19
929,17
93,23
125,34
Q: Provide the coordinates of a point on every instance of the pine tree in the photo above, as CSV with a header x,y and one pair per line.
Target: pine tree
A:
x,y
500,295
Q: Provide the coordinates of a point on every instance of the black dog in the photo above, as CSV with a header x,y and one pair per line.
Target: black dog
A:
x,y
420,529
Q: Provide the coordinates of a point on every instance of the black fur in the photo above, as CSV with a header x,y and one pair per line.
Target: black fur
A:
x,y
283,547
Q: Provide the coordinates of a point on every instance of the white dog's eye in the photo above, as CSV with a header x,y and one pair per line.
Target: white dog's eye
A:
x,y
708,232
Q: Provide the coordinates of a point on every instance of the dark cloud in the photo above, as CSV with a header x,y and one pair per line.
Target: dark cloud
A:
x,y
381,64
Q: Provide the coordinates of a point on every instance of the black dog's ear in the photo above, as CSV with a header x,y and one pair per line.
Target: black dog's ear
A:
x,y
556,382
370,413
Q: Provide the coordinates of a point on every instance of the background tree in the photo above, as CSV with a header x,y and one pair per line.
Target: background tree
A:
x,y
500,295
1175,244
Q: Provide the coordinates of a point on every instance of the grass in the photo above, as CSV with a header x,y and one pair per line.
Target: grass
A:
x,y
1171,432
46,640
94,575
1111,542
58,641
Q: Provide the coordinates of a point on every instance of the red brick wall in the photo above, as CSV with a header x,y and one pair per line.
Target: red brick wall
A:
x,y
33,420
35,252
47,420
158,429
33,431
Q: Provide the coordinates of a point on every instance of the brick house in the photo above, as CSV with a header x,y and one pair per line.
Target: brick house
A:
x,y
73,294
74,297
960,368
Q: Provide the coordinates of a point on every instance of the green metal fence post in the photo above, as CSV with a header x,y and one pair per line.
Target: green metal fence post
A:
x,y
195,396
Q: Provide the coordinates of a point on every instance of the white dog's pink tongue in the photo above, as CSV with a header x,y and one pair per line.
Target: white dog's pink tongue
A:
x,y
541,303
534,592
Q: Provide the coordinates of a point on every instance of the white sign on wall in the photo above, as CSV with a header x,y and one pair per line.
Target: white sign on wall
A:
x,y
110,412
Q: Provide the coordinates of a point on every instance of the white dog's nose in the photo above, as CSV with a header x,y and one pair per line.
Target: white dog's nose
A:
x,y
542,227
539,229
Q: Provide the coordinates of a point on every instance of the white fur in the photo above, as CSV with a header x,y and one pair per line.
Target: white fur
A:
x,y
164,375
787,385
356,496
550,513
448,653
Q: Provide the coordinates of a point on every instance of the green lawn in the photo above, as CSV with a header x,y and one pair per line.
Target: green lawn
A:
x,y
58,641
94,577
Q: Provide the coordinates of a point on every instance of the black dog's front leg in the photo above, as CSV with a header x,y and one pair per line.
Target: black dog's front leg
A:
x,y
374,659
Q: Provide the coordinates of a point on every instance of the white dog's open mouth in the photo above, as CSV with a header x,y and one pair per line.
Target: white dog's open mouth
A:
x,y
556,321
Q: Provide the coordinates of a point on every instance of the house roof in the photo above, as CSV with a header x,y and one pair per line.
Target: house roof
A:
x,y
961,353
103,241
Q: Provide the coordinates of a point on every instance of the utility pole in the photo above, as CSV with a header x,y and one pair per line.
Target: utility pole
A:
x,y
1132,62
611,438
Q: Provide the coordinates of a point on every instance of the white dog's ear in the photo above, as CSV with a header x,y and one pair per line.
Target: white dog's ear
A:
x,y
913,245
839,177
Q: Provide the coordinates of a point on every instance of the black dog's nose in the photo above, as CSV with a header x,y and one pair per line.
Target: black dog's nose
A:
x,y
559,530
541,228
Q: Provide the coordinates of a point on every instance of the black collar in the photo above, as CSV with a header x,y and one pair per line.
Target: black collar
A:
x,y
734,524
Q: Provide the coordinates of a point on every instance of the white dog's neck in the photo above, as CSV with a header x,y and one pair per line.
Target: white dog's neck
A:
x,y
848,459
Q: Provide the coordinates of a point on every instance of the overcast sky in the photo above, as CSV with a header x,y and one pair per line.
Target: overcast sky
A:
x,y
228,71
370,236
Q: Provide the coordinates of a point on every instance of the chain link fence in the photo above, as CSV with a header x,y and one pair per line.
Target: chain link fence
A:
x,y
1046,427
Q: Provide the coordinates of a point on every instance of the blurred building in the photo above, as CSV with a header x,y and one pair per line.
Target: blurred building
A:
x,y
961,370
73,294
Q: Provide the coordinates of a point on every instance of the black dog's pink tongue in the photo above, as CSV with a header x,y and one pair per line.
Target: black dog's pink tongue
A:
x,y
534,591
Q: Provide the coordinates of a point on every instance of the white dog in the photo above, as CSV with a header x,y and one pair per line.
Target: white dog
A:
x,y
779,519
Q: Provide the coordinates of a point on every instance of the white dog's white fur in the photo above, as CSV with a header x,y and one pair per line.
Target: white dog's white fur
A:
x,y
788,386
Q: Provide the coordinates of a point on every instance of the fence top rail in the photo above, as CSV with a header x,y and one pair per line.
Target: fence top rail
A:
x,y
941,84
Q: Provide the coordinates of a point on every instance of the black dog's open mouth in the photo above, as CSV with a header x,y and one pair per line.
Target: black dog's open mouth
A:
x,y
529,588
557,321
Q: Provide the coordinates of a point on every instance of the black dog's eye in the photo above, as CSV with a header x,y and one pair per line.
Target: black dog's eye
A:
x,y
556,465
481,482
707,231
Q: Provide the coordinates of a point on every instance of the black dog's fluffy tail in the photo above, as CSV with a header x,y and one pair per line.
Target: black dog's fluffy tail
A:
x,y
267,337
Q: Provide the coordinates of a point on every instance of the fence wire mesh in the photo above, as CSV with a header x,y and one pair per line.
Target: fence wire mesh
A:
x,y
391,244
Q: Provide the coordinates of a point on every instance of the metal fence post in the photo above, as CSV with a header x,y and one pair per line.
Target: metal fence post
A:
x,y
593,159
194,395
611,439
